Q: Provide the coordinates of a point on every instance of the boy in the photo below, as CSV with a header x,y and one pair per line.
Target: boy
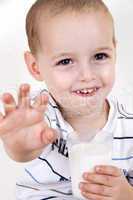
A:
x,y
73,49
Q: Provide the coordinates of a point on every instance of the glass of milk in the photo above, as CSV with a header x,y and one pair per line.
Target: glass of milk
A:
x,y
84,155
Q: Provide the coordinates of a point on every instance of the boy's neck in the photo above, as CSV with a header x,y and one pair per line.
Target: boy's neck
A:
x,y
82,124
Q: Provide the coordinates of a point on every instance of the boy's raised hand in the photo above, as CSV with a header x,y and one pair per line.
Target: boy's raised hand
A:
x,y
22,129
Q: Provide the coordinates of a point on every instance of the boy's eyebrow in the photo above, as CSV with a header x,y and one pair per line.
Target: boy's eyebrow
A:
x,y
104,49
70,53
62,54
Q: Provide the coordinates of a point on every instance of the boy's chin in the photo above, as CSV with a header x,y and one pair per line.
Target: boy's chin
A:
x,y
83,110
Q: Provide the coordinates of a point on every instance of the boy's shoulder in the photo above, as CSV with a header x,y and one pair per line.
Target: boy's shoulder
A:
x,y
123,104
123,107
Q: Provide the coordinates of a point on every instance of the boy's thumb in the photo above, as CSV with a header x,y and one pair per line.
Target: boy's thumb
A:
x,y
50,135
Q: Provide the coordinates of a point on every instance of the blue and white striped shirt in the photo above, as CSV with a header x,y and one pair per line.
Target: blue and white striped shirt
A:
x,y
48,176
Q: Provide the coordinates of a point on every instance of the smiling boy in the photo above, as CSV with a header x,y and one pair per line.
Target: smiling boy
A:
x,y
73,49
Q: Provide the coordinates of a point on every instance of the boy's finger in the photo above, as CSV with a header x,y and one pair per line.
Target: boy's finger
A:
x,y
1,116
99,178
49,135
9,103
7,125
24,99
96,189
40,139
41,102
108,170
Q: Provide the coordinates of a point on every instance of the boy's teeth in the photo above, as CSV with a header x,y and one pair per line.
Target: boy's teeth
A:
x,y
85,91
78,91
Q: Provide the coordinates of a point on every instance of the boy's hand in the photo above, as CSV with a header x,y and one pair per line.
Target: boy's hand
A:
x,y
23,129
106,183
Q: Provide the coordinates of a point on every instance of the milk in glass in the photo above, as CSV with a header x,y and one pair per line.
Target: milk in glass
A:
x,y
83,157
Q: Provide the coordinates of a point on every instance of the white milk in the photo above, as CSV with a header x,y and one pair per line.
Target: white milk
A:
x,y
83,157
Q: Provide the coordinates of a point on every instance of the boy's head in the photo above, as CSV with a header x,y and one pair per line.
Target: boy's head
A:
x,y
72,47
45,9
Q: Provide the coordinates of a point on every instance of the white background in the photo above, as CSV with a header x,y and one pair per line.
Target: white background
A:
x,y
13,70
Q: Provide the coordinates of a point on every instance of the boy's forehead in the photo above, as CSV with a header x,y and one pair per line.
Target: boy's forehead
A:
x,y
47,16
71,22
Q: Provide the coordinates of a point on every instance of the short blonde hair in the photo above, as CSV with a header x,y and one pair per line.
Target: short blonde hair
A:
x,y
52,8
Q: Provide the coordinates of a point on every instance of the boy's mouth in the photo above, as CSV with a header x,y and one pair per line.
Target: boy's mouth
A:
x,y
86,92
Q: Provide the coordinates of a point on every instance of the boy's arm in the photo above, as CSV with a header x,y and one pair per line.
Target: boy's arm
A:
x,y
22,129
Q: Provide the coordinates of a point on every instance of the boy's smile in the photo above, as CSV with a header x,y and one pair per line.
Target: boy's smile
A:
x,y
77,59
86,91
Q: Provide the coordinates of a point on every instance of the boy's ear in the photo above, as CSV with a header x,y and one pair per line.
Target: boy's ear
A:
x,y
32,65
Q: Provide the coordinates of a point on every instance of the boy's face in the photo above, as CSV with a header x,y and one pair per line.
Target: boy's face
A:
x,y
77,60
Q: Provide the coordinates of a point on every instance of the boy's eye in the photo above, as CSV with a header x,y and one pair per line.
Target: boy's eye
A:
x,y
66,61
101,56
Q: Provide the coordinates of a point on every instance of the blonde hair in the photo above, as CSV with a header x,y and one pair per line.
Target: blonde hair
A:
x,y
52,8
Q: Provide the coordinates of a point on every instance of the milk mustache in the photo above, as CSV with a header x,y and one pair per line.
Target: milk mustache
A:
x,y
84,156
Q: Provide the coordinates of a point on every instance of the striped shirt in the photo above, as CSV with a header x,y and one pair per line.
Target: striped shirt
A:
x,y
48,176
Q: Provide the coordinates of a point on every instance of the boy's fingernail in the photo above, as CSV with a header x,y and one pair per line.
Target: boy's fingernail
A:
x,y
85,175
81,185
98,168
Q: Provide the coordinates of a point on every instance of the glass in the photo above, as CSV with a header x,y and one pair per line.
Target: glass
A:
x,y
84,154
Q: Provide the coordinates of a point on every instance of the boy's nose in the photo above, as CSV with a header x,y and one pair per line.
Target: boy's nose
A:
x,y
86,73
